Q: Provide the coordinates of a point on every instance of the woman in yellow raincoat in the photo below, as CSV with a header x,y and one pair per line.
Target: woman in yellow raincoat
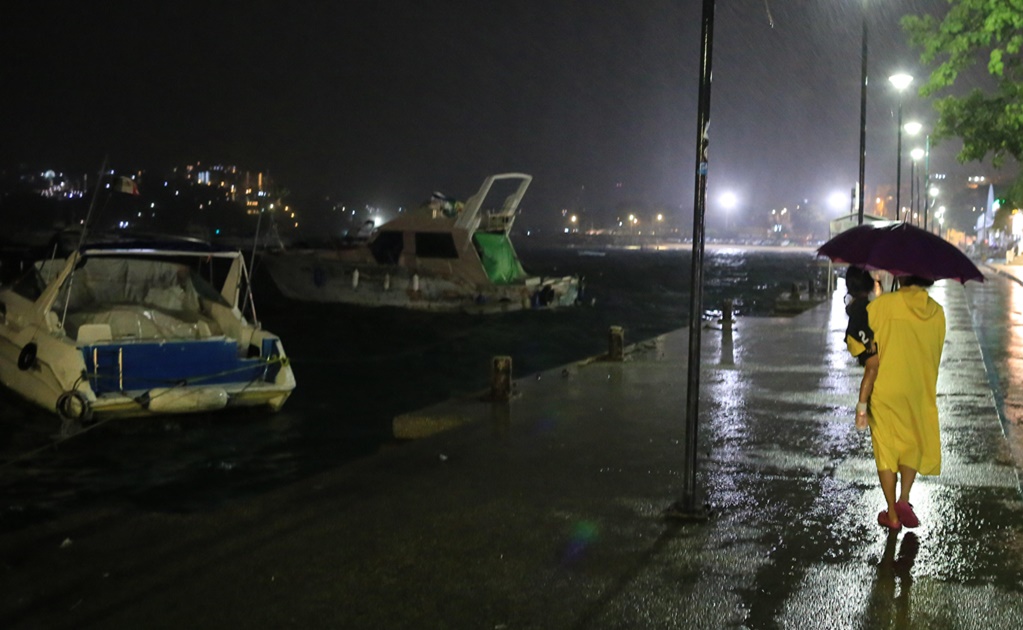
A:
x,y
909,330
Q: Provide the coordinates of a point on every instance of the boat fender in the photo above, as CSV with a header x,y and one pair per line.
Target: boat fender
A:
x,y
73,405
27,358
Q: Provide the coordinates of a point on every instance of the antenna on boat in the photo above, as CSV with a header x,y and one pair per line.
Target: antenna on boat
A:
x,y
81,238
255,242
92,203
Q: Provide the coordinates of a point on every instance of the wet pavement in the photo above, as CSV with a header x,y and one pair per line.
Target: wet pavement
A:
x,y
548,512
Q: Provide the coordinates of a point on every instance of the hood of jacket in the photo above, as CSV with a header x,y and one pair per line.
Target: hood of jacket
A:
x,y
919,303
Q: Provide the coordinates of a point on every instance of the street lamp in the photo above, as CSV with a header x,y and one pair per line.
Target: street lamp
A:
x,y
927,176
900,81
913,128
861,184
914,186
837,200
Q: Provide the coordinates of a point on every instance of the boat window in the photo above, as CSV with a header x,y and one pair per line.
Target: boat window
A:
x,y
435,245
387,246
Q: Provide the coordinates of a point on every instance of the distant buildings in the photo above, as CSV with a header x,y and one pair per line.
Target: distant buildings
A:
x,y
194,199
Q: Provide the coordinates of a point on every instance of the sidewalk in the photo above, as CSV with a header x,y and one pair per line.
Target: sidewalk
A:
x,y
547,512
1014,272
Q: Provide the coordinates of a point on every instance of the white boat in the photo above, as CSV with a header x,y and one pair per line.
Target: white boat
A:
x,y
442,256
137,328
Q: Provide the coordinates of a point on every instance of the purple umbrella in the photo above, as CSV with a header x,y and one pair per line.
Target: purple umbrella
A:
x,y
902,250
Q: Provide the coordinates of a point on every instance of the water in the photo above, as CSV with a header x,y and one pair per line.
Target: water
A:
x,y
357,369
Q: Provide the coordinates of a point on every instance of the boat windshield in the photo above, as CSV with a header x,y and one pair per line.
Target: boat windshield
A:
x,y
168,285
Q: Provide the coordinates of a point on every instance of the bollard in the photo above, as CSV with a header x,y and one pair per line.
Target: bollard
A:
x,y
387,282
355,279
501,379
415,283
726,312
616,343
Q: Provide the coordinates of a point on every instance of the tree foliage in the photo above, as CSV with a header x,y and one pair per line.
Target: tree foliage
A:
x,y
990,120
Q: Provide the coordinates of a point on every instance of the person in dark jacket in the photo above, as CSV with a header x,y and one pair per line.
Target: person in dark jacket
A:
x,y
859,338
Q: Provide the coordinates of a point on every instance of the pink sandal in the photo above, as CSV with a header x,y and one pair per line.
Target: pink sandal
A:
x,y
884,521
905,511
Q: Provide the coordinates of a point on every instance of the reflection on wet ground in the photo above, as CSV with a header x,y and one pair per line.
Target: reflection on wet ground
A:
x,y
997,311
823,493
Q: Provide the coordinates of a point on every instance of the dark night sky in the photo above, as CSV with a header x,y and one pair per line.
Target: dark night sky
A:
x,y
387,100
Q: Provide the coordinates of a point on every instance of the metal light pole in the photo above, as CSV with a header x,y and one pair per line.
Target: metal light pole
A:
x,y
927,177
914,185
901,82
863,118
913,190
687,508
913,128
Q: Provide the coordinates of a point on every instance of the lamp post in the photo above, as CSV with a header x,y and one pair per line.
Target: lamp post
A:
x,y
927,178
687,507
863,120
912,128
914,186
900,81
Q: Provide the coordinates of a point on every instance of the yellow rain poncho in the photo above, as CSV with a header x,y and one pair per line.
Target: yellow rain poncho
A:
x,y
909,328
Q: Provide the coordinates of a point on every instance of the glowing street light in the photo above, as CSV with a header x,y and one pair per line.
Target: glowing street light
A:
x,y
837,200
912,127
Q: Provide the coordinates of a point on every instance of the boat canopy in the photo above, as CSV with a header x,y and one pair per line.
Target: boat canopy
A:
x,y
105,280
498,258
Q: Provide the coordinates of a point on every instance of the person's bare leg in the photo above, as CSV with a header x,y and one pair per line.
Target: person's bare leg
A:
x,y
908,477
888,482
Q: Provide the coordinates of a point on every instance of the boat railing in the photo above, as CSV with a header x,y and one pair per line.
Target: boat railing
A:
x,y
501,219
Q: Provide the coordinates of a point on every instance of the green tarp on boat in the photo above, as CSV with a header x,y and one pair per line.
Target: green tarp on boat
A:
x,y
498,256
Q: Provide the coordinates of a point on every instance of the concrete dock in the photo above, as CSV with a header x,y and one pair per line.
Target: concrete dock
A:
x,y
548,511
